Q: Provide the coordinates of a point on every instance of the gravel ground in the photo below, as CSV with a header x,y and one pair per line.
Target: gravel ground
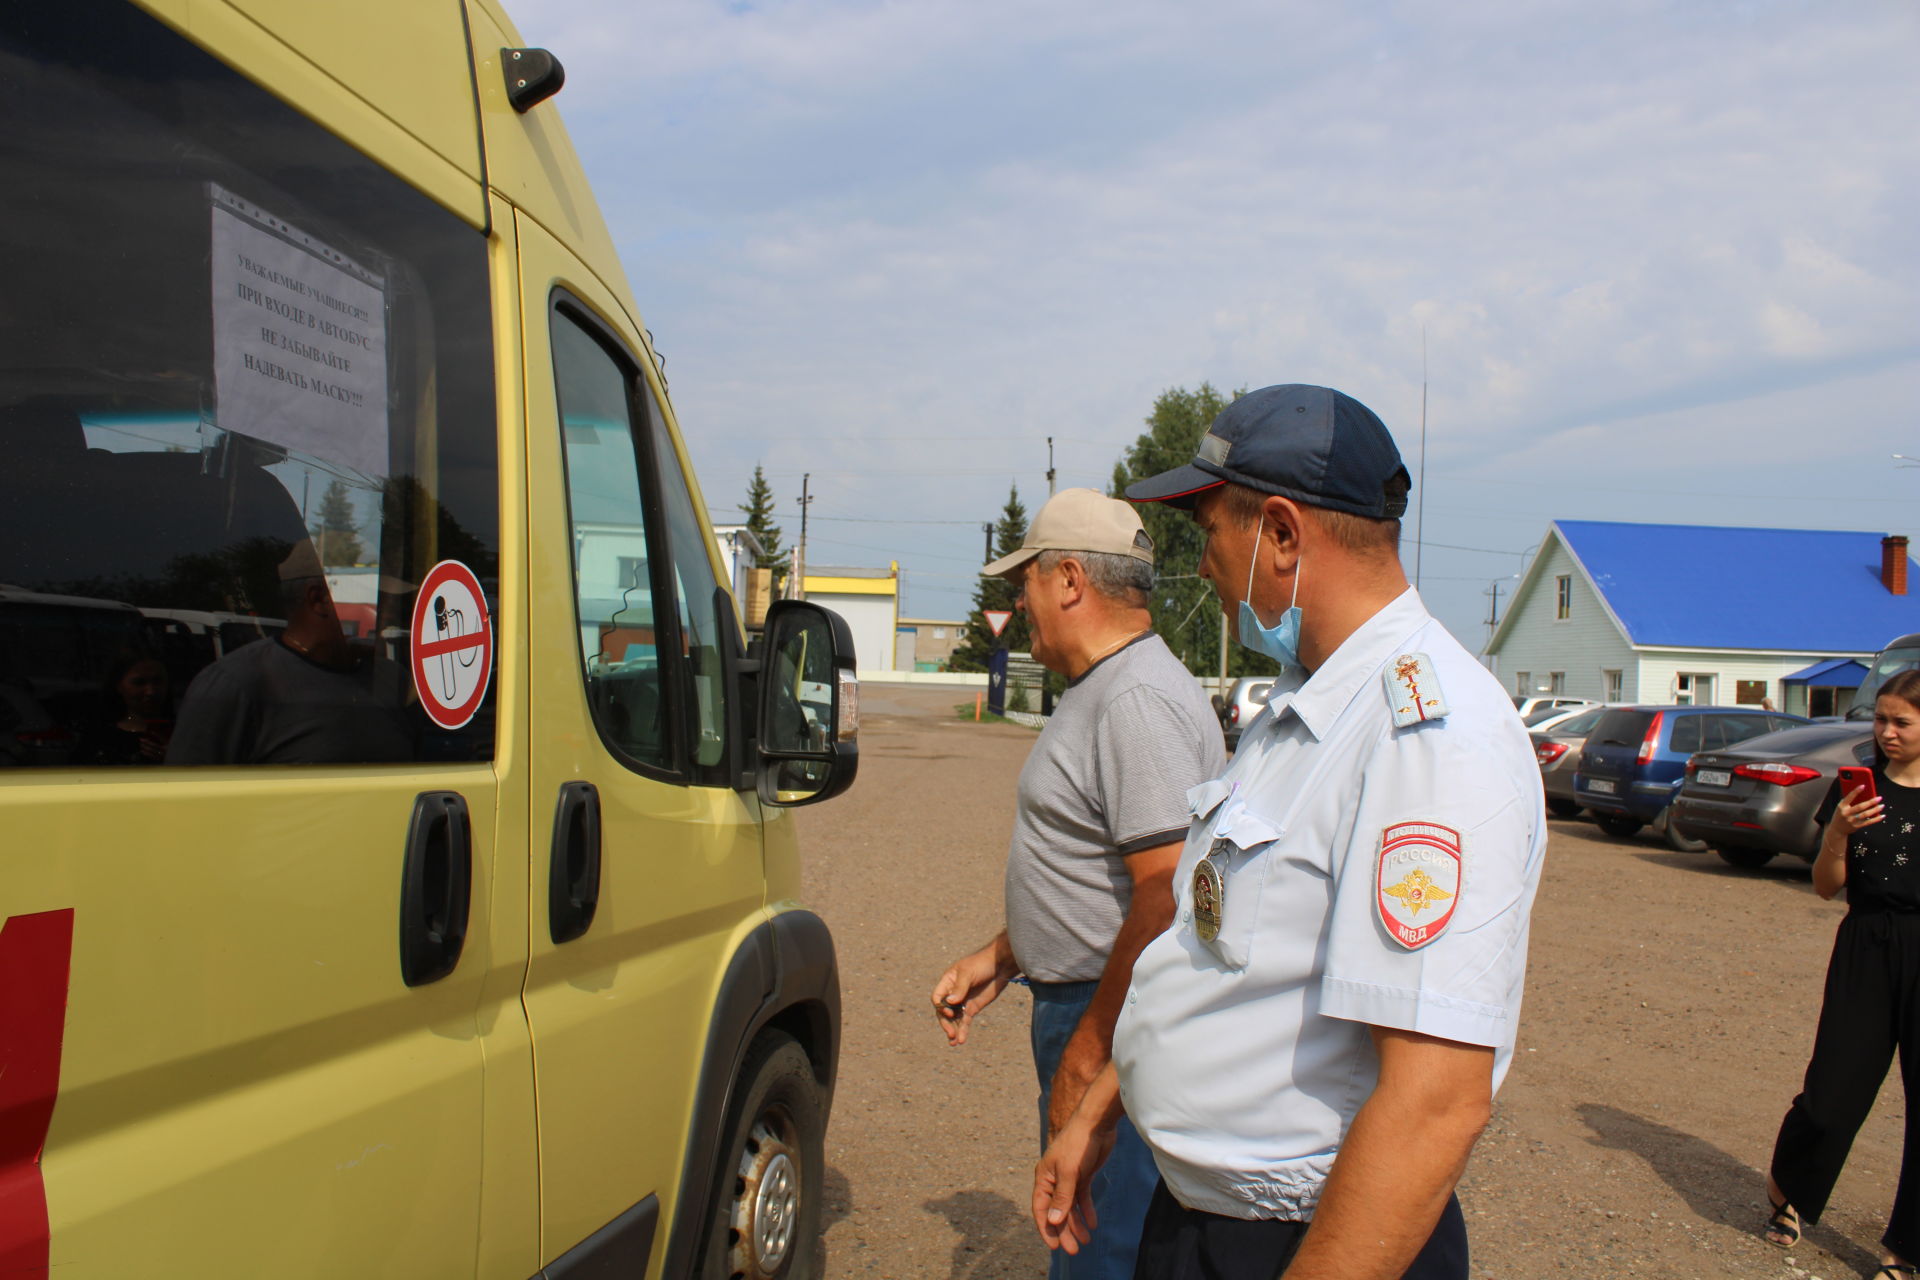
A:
x,y
1670,1008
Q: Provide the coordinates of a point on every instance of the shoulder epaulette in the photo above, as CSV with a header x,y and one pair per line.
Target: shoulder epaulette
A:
x,y
1413,690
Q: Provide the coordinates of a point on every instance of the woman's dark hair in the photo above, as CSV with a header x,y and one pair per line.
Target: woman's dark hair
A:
x,y
123,662
1904,685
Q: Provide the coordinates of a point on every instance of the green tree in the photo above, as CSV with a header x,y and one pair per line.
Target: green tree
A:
x,y
978,642
336,537
758,509
1186,612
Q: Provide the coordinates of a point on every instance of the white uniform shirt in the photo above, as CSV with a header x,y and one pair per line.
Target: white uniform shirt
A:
x,y
1243,1060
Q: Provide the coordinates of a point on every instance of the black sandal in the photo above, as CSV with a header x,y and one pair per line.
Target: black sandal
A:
x,y
1894,1271
1786,1222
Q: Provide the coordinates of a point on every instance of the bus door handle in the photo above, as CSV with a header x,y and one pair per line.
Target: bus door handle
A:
x,y
436,887
573,880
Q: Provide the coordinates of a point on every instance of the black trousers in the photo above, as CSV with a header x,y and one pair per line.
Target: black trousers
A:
x,y
1872,1007
1177,1243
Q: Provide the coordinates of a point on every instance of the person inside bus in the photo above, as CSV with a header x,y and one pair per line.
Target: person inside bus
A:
x,y
138,718
304,696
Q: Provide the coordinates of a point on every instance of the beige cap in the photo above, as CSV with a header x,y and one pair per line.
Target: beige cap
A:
x,y
1079,520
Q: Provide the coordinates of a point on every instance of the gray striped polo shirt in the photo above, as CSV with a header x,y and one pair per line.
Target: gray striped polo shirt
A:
x,y
1108,777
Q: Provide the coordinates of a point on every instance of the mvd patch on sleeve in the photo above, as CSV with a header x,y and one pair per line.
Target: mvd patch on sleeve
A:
x,y
1419,881
1413,690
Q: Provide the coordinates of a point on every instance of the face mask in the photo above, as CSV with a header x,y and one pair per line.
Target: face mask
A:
x,y
1281,641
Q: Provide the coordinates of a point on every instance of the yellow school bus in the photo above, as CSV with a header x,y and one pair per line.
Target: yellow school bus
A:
x,y
440,919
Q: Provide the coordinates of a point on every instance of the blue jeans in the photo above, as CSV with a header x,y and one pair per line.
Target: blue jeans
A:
x,y
1124,1186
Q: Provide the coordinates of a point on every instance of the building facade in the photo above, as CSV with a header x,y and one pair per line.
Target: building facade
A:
x,y
869,600
1703,614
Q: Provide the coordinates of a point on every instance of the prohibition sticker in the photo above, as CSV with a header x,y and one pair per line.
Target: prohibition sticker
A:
x,y
452,644
1419,881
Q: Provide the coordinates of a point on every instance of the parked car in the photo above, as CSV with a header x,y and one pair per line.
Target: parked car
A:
x,y
1636,758
1243,703
1902,653
1526,706
28,734
1759,798
1556,746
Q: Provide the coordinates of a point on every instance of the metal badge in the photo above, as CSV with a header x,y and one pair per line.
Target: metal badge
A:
x,y
1209,895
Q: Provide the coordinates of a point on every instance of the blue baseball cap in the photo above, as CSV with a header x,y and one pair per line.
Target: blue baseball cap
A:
x,y
1312,444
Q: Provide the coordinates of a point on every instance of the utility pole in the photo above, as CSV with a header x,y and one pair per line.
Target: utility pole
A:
x,y
1049,466
805,500
986,557
1493,611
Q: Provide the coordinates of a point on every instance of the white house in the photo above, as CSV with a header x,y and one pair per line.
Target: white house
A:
x,y
869,599
1663,613
740,551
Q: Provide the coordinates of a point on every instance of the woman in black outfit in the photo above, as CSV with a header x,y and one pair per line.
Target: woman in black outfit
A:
x,y
1871,848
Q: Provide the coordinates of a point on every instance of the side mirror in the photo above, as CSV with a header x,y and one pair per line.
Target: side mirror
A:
x,y
809,713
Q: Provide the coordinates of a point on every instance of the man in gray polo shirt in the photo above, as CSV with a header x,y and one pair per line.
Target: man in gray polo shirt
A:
x,y
1101,817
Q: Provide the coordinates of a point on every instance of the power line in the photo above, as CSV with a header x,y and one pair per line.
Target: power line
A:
x,y
882,520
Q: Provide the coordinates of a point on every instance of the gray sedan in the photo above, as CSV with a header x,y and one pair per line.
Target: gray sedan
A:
x,y
1556,746
1757,799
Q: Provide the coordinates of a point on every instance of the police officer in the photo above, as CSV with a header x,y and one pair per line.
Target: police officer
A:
x,y
1311,1050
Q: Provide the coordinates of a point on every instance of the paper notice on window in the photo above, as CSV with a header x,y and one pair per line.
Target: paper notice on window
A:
x,y
299,339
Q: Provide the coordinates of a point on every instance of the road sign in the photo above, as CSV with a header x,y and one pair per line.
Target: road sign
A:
x,y
998,619
452,654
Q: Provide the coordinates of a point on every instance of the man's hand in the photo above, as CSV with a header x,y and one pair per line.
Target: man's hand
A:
x,y
974,982
1063,1180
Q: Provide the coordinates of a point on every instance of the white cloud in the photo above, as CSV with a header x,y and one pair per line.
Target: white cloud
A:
x,y
898,244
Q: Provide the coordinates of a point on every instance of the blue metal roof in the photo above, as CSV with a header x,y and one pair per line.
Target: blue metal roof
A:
x,y
1834,673
1712,587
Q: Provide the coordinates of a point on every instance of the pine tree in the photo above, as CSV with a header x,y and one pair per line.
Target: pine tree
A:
x,y
977,641
1186,612
335,535
758,509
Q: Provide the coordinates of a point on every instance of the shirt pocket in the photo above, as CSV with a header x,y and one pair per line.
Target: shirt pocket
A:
x,y
1238,843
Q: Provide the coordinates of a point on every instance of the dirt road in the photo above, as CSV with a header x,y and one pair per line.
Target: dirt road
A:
x,y
1670,1007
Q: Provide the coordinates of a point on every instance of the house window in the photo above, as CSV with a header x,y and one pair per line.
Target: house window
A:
x,y
1563,609
1557,682
632,572
1693,689
1749,693
1522,683
1615,685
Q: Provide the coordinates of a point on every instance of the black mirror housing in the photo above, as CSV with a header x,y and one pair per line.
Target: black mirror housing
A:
x,y
809,706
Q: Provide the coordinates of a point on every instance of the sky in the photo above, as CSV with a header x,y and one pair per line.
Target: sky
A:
x,y
1651,261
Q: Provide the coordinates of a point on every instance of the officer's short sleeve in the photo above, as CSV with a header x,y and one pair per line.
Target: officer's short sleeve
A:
x,y
1148,755
1432,893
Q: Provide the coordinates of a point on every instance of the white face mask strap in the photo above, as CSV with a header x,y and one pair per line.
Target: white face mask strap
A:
x,y
1254,559
1259,528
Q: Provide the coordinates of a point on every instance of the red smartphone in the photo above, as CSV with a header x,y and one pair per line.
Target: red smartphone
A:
x,y
1852,777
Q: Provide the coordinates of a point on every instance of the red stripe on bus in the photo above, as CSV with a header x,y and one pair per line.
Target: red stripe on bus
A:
x,y
36,954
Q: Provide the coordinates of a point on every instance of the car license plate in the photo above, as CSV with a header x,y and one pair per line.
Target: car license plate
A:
x,y
1603,785
1713,777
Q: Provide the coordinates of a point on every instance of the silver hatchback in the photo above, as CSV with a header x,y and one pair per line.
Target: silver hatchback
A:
x,y
1556,748
1242,704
